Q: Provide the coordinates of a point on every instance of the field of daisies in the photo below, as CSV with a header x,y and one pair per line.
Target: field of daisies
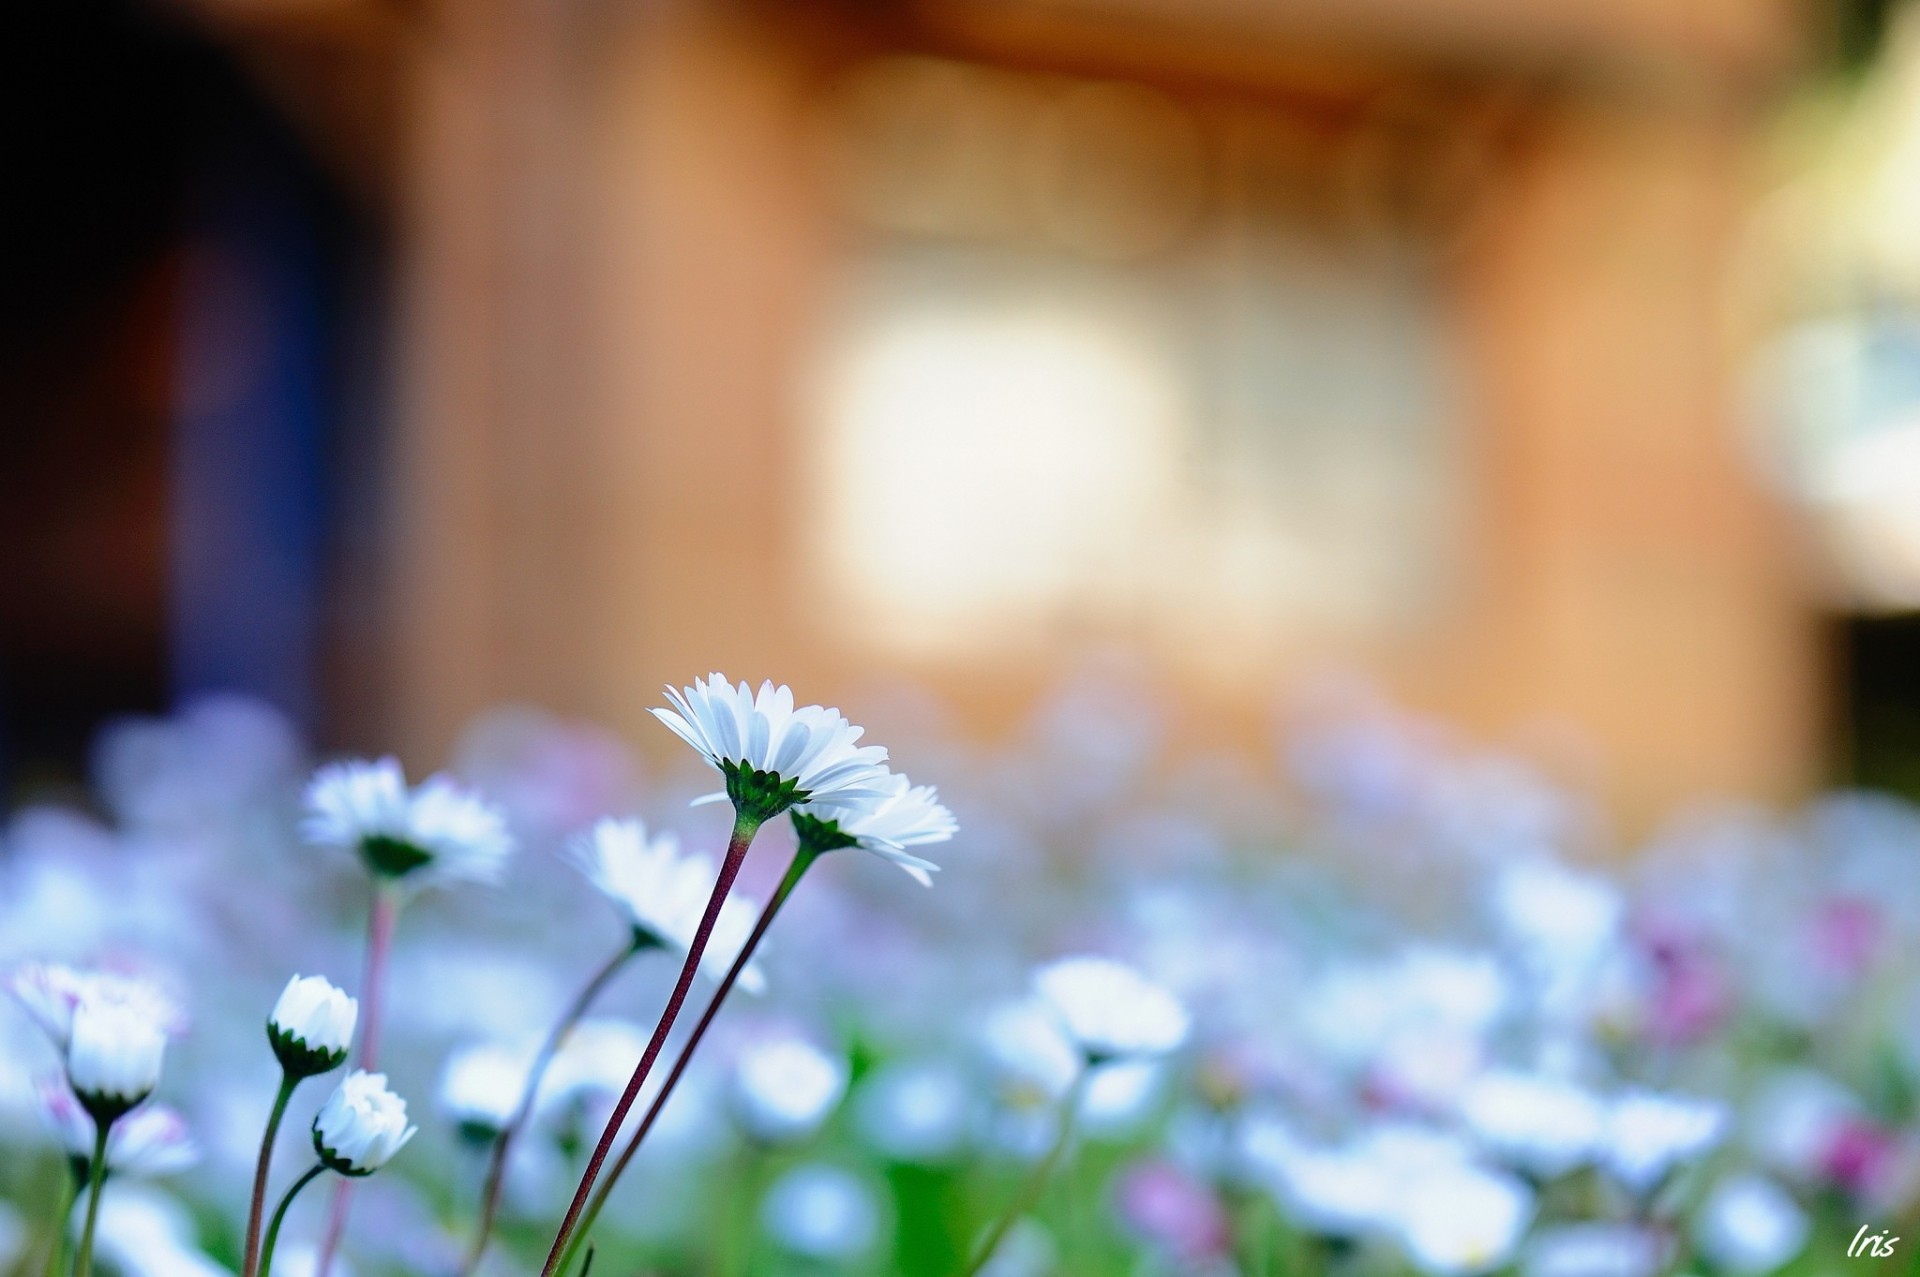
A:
x,y
1379,1001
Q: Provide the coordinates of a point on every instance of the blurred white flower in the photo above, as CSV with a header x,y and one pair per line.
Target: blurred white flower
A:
x,y
361,1126
1560,920
1354,1009
1426,1067
1649,1134
1750,1225
1357,1188
1120,1096
1464,1220
1542,1125
51,993
150,1140
908,816
437,832
1333,1192
1030,1051
114,1056
1594,1249
785,1088
145,1234
915,1111
662,893
592,1065
312,1025
1111,1010
481,1086
1794,1117
773,754
822,1213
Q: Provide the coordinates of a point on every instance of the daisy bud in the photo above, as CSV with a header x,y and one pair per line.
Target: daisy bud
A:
x,y
114,1057
312,1026
361,1126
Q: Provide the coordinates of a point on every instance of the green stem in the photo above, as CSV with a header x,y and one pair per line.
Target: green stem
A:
x,y
96,1178
497,1164
802,861
280,1215
744,828
250,1257
62,1216
1036,1182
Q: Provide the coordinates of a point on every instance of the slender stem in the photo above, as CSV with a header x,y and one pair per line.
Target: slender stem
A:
x,y
1036,1182
743,831
62,1217
802,861
382,918
497,1164
96,1177
280,1216
250,1257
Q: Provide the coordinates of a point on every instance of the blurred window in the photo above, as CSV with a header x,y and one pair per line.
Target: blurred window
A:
x,y
1112,360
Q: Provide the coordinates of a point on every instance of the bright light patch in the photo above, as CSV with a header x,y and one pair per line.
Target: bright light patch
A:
x,y
985,465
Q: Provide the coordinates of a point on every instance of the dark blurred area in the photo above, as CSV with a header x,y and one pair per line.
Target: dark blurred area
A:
x,y
174,369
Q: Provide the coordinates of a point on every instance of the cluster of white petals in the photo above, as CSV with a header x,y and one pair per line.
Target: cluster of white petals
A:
x,y
481,1085
786,1087
814,750
114,1055
1110,1010
906,815
362,1125
439,831
662,892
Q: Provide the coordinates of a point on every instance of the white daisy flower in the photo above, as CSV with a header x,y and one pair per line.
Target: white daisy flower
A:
x,y
114,1056
1464,1221
786,1087
822,1213
1750,1225
151,1140
1111,1010
439,830
1543,1125
908,816
1648,1134
662,894
481,1086
361,1126
773,754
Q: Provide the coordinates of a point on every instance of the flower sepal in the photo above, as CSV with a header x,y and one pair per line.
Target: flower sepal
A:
x,y
758,796
301,1060
338,1163
393,858
818,835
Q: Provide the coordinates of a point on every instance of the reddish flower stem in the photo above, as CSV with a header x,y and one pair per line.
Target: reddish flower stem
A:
x,y
743,832
802,860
